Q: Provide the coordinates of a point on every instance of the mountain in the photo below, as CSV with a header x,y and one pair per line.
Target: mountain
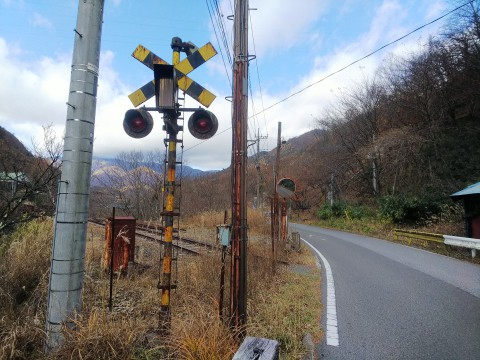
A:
x,y
102,168
13,154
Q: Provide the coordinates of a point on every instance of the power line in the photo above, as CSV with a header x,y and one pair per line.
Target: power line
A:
x,y
258,74
221,29
344,68
363,58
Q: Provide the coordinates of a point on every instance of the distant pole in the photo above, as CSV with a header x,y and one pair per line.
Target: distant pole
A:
x,y
275,199
70,229
331,190
238,281
112,250
284,222
272,229
259,174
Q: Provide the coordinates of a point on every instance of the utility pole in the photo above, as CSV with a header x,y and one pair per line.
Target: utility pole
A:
x,y
71,215
238,280
284,222
259,174
274,207
331,190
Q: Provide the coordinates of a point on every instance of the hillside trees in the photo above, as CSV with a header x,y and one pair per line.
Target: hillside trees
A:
x,y
354,124
28,181
414,129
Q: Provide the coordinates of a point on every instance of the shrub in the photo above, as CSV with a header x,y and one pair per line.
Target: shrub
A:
x,y
410,209
341,209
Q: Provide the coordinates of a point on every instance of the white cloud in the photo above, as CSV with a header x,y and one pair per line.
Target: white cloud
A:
x,y
39,20
435,10
31,92
278,25
298,113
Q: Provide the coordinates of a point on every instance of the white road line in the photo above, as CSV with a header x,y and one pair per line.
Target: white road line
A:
x,y
332,325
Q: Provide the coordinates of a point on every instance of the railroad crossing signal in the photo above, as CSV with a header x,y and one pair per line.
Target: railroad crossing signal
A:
x,y
184,67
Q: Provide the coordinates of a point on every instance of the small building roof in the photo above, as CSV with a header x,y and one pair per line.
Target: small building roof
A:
x,y
13,176
473,189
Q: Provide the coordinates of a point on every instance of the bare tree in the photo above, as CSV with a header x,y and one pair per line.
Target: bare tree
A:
x,y
354,124
134,181
28,181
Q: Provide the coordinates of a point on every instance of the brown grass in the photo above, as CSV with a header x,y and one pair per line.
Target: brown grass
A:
x,y
23,283
284,306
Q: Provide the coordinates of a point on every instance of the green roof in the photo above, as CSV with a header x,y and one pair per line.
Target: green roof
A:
x,y
469,190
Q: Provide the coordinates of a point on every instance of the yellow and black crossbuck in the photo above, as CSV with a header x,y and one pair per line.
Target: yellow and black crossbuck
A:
x,y
184,67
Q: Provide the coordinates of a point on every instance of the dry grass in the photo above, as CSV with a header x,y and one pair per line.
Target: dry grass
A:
x,y
284,306
23,283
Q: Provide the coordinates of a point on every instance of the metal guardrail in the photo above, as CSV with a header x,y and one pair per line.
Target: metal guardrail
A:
x,y
469,243
417,235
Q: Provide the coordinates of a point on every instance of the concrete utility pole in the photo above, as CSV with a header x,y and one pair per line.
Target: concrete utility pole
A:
x,y
68,250
238,281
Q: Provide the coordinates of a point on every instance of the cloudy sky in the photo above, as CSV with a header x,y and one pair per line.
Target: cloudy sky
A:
x,y
296,43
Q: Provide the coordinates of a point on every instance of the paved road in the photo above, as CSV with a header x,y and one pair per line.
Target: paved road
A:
x,y
393,301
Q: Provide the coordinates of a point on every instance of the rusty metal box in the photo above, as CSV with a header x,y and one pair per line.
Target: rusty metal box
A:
x,y
124,244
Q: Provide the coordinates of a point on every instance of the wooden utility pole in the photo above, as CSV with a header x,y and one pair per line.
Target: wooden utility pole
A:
x,y
238,280
274,208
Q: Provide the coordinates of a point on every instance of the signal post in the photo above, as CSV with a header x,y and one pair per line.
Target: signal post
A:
x,y
169,207
202,124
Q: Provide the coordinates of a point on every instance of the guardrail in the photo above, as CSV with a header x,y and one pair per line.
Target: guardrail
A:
x,y
417,235
469,243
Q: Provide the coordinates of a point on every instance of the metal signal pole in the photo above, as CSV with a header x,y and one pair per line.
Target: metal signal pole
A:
x,y
71,215
169,210
238,281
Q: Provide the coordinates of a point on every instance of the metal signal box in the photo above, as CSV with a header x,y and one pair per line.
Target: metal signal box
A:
x,y
124,243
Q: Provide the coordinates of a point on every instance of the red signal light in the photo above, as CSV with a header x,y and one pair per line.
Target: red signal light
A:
x,y
203,124
138,123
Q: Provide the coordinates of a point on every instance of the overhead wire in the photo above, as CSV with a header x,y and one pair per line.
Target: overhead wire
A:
x,y
345,67
220,44
362,58
258,74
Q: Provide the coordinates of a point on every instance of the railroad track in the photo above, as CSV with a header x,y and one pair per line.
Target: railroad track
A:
x,y
154,234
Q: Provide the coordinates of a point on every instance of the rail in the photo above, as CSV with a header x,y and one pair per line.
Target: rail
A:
x,y
151,233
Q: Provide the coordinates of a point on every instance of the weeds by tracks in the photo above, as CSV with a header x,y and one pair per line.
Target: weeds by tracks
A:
x,y
282,307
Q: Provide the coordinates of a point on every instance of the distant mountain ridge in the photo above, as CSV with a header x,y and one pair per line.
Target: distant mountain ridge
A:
x,y
103,167
13,153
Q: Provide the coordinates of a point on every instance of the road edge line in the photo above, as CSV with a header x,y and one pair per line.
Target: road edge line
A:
x,y
332,324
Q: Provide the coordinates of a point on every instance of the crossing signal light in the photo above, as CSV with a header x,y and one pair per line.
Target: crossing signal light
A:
x,y
137,123
203,124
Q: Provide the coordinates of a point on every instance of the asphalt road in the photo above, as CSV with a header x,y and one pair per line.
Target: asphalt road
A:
x,y
394,301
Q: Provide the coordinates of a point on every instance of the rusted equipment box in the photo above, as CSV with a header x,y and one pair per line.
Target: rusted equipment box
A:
x,y
124,244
